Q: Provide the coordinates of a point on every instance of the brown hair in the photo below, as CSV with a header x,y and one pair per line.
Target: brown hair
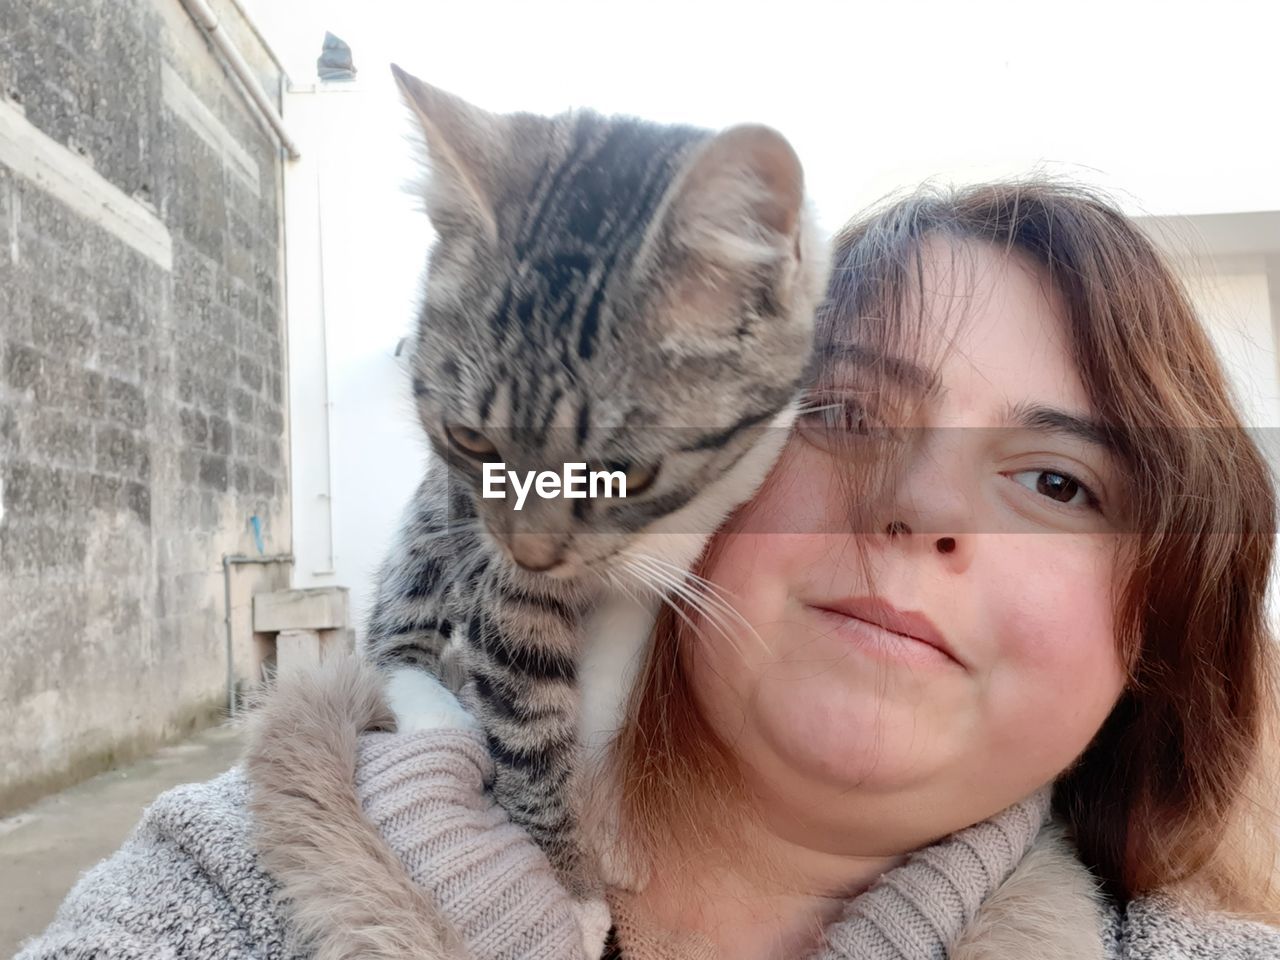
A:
x,y
1173,791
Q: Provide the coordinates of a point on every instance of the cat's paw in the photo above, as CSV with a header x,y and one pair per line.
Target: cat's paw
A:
x,y
594,922
603,835
421,703
618,867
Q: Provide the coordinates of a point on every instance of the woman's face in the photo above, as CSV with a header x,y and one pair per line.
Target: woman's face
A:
x,y
919,675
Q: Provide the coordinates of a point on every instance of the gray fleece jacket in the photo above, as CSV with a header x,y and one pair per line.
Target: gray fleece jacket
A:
x,y
337,839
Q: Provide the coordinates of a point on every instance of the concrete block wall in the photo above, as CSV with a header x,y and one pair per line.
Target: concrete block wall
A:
x,y
142,377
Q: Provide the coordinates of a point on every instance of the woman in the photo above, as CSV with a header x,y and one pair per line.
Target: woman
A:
x,y
997,682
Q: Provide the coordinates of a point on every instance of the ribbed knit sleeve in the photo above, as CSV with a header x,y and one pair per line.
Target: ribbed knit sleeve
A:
x,y
425,794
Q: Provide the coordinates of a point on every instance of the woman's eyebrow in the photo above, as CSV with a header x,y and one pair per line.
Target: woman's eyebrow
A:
x,y
905,371
1047,419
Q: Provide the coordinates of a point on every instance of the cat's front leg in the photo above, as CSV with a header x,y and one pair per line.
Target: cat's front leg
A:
x,y
522,685
551,820
410,623
579,872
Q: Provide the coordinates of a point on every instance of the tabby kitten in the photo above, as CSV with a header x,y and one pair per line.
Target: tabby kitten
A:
x,y
602,291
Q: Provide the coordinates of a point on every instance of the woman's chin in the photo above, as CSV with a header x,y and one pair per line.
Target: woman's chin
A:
x,y
850,742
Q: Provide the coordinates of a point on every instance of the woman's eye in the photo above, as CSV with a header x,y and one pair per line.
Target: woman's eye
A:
x,y
1060,487
838,413
639,477
471,442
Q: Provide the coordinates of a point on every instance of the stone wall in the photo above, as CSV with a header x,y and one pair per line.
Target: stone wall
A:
x,y
142,396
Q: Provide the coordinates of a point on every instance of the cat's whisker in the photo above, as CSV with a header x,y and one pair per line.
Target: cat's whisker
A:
x,y
711,592
640,578
706,606
621,586
708,613
714,609
709,585
662,595
606,578
649,580
722,600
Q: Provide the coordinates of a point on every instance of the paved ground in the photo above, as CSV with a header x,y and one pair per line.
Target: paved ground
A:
x,y
45,848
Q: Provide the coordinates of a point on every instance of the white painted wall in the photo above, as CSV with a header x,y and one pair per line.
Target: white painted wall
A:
x,y
1235,294
1163,110
356,246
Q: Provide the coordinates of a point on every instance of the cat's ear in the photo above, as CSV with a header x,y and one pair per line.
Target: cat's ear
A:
x,y
739,198
464,145
733,220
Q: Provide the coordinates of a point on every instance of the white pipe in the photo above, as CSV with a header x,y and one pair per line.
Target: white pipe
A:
x,y
328,380
208,22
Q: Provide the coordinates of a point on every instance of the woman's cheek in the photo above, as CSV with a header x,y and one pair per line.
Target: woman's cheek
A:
x,y
752,572
1058,671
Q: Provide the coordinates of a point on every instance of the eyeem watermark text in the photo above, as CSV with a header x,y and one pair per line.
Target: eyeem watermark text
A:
x,y
575,483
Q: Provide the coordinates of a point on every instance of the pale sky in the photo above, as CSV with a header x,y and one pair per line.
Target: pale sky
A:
x,y
1172,106
1173,112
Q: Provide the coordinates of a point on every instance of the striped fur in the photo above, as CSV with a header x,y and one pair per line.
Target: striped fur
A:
x,y
606,291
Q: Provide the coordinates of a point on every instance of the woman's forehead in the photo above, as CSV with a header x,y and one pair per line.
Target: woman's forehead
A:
x,y
969,289
980,320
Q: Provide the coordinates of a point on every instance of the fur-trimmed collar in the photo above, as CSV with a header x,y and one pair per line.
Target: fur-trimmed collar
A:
x,y
348,896
1048,909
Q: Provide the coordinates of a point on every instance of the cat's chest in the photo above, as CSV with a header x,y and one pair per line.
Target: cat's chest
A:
x,y
615,640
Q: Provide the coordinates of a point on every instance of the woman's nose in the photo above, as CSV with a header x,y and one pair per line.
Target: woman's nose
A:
x,y
899,528
931,506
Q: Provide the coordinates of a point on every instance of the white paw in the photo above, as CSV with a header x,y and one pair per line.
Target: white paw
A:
x,y
617,867
594,921
420,702
602,831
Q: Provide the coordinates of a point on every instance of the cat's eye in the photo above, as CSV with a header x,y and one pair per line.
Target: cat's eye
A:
x,y
639,477
471,442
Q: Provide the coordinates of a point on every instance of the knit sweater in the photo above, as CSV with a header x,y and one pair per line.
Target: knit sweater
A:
x,y
423,792
335,840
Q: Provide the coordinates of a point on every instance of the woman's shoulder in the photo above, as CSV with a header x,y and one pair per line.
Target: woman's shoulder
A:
x,y
187,875
1052,906
1165,926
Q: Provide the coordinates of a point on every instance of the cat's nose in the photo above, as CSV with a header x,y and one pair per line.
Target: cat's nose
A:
x,y
536,552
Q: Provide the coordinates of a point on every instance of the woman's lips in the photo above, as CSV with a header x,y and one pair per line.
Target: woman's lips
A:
x,y
881,615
